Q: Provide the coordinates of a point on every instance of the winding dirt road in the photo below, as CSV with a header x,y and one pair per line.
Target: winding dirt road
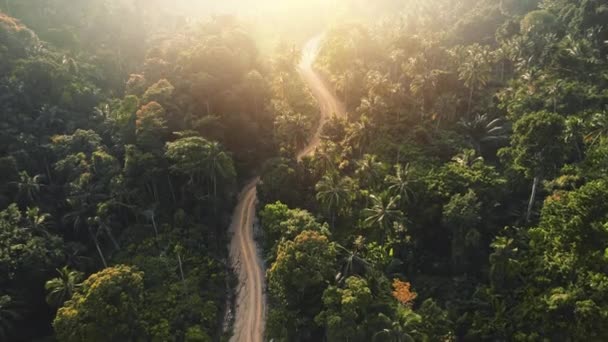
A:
x,y
251,299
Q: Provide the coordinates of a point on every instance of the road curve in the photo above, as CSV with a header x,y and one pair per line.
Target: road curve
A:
x,y
244,254
328,102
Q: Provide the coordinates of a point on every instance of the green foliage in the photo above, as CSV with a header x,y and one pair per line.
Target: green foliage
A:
x,y
281,223
125,129
61,289
107,306
348,311
538,140
301,271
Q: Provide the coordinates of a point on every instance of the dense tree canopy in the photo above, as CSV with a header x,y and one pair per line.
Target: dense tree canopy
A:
x,y
461,198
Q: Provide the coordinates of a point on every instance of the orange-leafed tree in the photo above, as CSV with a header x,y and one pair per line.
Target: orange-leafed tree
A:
x,y
402,291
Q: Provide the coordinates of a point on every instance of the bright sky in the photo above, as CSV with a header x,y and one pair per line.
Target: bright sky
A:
x,y
256,6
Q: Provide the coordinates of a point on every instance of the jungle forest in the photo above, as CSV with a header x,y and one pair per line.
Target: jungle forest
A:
x,y
293,171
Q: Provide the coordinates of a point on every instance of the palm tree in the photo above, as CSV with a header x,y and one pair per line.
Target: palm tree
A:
x,y
352,261
80,217
383,213
219,164
38,221
334,193
104,225
149,214
62,288
369,169
599,128
400,184
359,134
28,187
476,70
396,333
298,130
343,84
179,250
94,235
326,157
483,129
467,158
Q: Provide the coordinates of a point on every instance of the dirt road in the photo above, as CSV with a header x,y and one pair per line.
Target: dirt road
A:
x,y
251,299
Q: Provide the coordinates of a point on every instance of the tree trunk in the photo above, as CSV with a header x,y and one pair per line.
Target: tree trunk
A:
x,y
155,191
154,225
215,194
46,165
181,270
94,238
470,101
532,198
111,236
171,189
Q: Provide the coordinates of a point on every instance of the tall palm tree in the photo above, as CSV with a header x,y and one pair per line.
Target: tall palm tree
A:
x,y
219,164
598,129
359,134
400,184
396,333
80,217
150,215
383,213
298,130
38,221
370,170
352,262
467,158
94,232
334,193
28,187
104,225
326,157
62,288
343,84
483,129
475,71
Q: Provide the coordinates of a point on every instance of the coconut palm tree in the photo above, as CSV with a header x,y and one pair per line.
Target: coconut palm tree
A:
x,y
28,187
467,158
370,170
359,134
352,261
400,184
326,157
104,225
150,214
219,165
383,213
598,128
334,193
298,130
94,232
38,221
62,288
483,129
475,70
396,333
